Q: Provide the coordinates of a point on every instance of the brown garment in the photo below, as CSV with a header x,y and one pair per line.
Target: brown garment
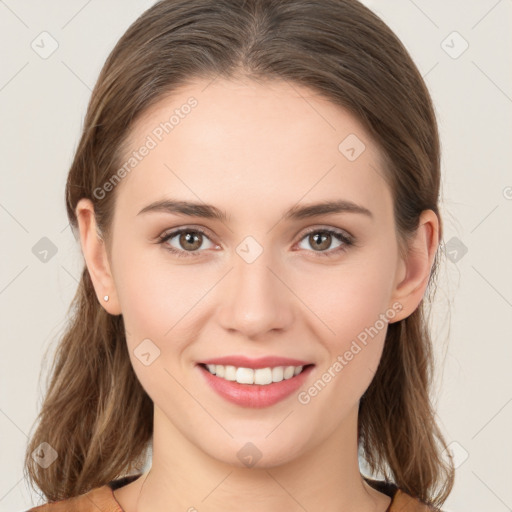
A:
x,y
101,499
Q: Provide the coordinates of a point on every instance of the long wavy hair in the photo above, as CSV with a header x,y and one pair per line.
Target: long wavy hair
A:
x,y
95,413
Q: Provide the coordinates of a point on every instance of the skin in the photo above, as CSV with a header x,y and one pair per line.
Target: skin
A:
x,y
254,150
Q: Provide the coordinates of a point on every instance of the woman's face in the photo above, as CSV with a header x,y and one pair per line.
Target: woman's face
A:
x,y
256,272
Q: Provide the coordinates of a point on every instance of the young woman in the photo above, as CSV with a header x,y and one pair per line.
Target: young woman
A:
x,y
256,197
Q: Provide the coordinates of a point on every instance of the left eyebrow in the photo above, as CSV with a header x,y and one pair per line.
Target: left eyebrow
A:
x,y
296,212
316,209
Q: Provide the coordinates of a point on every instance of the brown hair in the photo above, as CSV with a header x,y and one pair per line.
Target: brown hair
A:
x,y
96,414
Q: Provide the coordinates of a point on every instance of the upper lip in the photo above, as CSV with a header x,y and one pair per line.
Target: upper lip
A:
x,y
260,362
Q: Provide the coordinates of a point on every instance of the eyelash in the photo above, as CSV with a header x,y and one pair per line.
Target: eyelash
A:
x,y
347,240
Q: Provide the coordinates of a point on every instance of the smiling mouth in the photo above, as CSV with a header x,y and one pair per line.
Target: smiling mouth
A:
x,y
258,377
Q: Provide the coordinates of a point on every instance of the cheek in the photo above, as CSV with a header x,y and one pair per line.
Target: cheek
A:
x,y
160,300
158,308
351,297
352,301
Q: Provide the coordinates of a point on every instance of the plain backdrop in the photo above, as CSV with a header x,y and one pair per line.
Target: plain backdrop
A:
x,y
461,48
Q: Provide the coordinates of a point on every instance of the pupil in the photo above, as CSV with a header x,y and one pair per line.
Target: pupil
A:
x,y
188,238
321,237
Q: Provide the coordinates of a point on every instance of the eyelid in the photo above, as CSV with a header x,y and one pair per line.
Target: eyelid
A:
x,y
346,238
206,232
178,229
173,232
339,231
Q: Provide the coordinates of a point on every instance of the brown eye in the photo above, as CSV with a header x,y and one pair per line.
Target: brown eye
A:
x,y
190,240
320,240
185,241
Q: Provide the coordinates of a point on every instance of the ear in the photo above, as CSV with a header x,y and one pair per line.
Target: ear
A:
x,y
413,271
95,255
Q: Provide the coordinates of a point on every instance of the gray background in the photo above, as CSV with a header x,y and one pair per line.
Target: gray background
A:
x,y
42,104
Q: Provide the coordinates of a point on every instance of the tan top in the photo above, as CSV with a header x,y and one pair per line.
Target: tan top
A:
x,y
102,499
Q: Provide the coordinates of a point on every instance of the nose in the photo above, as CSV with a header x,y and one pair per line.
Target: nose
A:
x,y
254,299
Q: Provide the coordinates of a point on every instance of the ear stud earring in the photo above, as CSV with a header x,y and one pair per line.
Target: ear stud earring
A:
x,y
105,298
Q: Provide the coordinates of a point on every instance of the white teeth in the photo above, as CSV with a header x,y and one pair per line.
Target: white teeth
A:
x,y
260,376
243,375
230,373
277,374
288,372
263,376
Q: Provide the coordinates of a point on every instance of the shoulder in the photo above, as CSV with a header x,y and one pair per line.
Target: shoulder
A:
x,y
400,500
100,499
403,502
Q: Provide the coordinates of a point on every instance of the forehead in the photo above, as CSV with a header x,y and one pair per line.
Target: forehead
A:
x,y
244,145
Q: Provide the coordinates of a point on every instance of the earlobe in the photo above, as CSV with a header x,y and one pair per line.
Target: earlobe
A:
x,y
95,255
413,272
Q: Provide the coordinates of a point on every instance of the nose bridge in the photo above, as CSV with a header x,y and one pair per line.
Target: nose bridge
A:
x,y
254,300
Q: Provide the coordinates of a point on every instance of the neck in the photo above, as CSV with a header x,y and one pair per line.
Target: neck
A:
x,y
324,476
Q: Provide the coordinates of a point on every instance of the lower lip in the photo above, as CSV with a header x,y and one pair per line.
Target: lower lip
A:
x,y
254,395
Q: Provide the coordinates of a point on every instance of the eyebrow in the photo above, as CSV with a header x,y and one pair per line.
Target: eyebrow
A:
x,y
296,212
